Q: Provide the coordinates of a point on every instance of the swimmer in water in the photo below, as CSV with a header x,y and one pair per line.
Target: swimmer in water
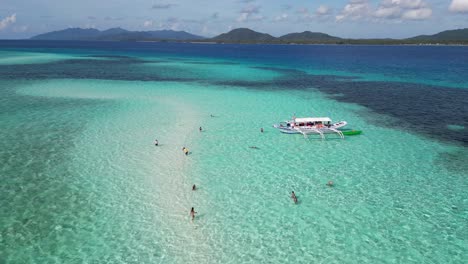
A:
x,y
194,187
254,147
330,183
261,130
192,213
200,129
186,151
293,196
156,142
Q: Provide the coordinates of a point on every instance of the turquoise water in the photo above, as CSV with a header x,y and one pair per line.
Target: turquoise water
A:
x,y
82,181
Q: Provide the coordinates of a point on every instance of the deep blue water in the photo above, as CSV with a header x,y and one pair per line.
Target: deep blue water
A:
x,y
446,64
424,87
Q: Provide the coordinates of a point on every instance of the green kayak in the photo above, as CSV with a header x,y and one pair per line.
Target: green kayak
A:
x,y
351,132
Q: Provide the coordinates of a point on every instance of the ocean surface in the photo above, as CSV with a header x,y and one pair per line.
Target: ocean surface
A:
x,y
82,182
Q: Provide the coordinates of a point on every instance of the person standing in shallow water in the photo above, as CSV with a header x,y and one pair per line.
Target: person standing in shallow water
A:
x,y
192,213
293,197
156,142
261,130
185,150
200,129
194,187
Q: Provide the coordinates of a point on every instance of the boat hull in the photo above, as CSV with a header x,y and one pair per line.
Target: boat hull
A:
x,y
324,130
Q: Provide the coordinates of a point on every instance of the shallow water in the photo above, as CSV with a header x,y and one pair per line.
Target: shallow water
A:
x,y
82,182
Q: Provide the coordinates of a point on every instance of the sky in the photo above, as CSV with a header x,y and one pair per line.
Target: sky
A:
x,y
342,18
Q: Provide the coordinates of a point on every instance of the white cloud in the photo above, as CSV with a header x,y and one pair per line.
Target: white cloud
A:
x,y
388,12
354,10
411,4
281,17
459,6
244,17
403,9
250,13
4,23
322,10
417,14
148,23
387,9
322,13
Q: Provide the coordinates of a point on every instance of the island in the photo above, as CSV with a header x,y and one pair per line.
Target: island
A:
x,y
249,36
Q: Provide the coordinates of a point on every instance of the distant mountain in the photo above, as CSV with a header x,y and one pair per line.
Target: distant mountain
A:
x,y
244,35
447,35
115,34
171,34
308,36
70,34
113,31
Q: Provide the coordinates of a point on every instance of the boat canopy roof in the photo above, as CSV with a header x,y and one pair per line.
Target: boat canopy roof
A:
x,y
312,119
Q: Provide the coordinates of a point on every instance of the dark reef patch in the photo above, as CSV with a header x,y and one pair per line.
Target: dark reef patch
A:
x,y
107,56
211,63
425,109
114,68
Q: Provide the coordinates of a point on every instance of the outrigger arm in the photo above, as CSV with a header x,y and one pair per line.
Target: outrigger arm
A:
x,y
310,131
337,131
317,131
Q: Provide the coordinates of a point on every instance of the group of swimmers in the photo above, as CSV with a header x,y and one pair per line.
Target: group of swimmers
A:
x,y
194,187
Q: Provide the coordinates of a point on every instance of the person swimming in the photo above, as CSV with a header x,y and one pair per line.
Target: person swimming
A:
x,y
261,130
330,183
200,129
192,213
194,187
254,147
293,196
186,151
156,142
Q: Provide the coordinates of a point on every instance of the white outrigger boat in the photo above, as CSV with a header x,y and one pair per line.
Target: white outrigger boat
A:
x,y
311,125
